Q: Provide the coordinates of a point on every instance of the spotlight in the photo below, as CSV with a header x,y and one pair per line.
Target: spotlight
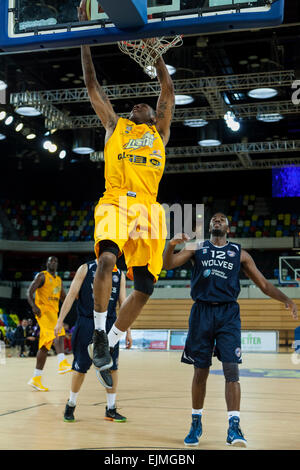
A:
x,y
2,115
19,127
52,148
31,136
46,144
8,120
231,121
62,154
2,136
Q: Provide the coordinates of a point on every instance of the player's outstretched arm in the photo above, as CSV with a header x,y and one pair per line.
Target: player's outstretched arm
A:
x,y
97,95
38,282
251,270
173,260
70,297
166,101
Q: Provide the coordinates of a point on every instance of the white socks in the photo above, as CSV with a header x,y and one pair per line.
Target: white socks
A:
x,y
60,357
73,398
111,400
37,372
233,413
100,320
114,336
197,412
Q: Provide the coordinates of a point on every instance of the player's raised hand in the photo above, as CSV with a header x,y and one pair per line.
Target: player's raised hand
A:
x,y
179,238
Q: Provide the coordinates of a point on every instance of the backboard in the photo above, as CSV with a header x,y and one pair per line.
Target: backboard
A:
x,y
26,25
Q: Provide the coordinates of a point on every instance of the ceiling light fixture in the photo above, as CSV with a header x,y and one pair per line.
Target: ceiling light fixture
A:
x,y
62,154
183,99
209,142
2,115
28,111
262,93
2,136
271,117
195,122
31,136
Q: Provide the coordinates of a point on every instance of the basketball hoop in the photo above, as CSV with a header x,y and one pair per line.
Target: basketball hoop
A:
x,y
147,52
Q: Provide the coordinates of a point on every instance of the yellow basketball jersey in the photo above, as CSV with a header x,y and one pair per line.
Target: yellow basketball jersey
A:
x,y
47,297
134,159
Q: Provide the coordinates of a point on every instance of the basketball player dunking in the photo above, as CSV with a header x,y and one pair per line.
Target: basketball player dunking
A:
x,y
134,164
214,324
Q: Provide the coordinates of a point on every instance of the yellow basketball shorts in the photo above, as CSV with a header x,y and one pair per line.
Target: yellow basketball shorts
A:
x,y
137,226
47,323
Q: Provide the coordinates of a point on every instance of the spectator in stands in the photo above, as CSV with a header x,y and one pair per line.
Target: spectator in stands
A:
x,y
20,336
44,295
32,339
214,324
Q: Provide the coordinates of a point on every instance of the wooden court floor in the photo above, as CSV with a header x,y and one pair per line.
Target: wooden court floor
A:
x,y
154,394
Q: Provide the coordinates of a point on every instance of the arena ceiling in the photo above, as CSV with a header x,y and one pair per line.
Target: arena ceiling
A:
x,y
237,61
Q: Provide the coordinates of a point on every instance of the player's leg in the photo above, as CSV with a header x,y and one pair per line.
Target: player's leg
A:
x,y
108,253
133,305
77,381
111,413
198,351
36,380
63,365
228,347
81,337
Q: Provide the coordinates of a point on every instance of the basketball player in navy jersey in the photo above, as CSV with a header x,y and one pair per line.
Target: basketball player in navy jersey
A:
x,y
82,289
214,324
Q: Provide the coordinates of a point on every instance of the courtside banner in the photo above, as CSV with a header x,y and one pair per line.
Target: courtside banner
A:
x,y
259,341
148,339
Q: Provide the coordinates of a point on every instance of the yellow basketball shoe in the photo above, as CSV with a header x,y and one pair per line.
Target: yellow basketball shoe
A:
x,y
64,367
36,383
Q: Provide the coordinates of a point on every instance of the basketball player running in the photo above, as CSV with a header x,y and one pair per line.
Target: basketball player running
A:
x,y
134,163
82,289
214,324
44,295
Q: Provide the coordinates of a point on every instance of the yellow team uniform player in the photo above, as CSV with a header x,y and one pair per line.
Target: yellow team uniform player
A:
x,y
47,299
128,213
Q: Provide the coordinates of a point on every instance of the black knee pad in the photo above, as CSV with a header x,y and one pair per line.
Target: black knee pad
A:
x,y
108,245
231,371
143,280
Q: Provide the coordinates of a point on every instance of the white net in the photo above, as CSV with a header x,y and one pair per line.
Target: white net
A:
x,y
147,51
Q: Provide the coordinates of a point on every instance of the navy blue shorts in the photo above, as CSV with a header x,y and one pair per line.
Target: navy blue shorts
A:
x,y
82,337
213,330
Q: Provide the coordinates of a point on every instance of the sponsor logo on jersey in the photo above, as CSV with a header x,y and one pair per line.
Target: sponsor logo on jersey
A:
x,y
231,253
146,141
115,278
207,273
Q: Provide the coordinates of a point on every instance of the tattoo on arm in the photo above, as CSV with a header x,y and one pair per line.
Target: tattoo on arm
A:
x,y
161,110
